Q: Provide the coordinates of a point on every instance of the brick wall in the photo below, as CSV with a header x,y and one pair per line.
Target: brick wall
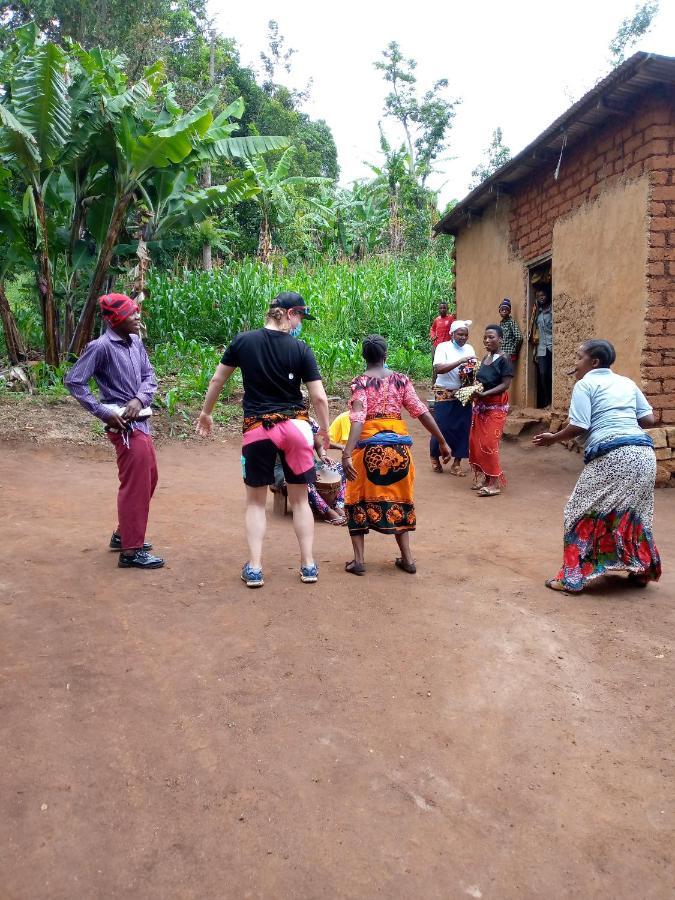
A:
x,y
628,147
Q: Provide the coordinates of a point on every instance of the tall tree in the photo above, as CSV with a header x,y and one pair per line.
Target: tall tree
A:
x,y
425,121
632,29
496,155
275,195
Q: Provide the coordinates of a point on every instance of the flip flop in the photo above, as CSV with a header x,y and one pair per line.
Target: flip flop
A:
x,y
556,585
341,521
488,492
457,472
410,568
436,466
355,568
477,485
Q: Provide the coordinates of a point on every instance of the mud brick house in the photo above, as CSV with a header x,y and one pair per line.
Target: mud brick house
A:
x,y
588,211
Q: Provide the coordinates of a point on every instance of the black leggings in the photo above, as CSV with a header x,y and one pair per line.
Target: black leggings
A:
x,y
544,379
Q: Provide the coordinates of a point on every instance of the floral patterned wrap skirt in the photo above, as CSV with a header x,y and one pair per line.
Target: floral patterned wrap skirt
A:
x,y
608,519
381,497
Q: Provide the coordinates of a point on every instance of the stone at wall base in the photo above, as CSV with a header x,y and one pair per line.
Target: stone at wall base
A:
x,y
663,476
658,435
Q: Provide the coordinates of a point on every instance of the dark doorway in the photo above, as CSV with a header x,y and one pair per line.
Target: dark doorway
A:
x,y
540,335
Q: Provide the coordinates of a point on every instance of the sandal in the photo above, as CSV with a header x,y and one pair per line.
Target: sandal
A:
x,y
410,568
457,472
556,585
477,485
342,520
488,492
355,568
436,466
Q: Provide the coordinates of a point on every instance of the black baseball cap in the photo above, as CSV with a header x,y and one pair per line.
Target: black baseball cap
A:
x,y
289,300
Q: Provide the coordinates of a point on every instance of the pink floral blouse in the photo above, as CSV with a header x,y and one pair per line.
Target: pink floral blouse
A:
x,y
384,397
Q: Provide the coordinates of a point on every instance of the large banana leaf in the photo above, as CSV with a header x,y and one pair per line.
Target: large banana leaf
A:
x,y
283,167
198,120
239,147
41,102
155,151
196,206
17,141
140,92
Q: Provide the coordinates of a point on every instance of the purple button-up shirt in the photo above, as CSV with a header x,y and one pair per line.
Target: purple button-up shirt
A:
x,y
122,371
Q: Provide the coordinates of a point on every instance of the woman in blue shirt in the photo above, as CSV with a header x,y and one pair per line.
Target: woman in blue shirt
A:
x,y
608,518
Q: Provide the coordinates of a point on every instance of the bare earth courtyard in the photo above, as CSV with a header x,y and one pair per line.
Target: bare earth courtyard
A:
x,y
460,733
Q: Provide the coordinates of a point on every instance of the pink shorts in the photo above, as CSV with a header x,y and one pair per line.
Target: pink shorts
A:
x,y
292,441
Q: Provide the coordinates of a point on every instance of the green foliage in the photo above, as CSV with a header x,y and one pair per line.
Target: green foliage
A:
x,y
632,29
425,121
496,155
390,297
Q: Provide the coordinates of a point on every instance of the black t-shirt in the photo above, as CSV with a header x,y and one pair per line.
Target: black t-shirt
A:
x,y
492,375
273,364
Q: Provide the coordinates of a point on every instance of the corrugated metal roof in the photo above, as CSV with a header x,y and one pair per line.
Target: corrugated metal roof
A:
x,y
611,96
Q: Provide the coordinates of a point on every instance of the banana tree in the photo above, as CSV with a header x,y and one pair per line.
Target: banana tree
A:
x,y
143,144
34,127
13,250
275,195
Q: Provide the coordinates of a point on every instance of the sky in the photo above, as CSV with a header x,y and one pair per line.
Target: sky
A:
x,y
516,65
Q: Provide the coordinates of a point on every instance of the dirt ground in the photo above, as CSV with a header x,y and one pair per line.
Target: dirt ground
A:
x,y
460,733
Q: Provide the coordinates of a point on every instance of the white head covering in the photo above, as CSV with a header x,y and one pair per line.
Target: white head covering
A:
x,y
460,323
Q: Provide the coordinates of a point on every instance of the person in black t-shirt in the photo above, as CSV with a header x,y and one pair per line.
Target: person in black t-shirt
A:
x,y
273,365
490,408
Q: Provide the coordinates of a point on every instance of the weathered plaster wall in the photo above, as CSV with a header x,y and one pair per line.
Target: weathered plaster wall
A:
x,y
600,281
487,271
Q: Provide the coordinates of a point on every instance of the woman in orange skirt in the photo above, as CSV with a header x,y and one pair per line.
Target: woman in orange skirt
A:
x,y
377,459
490,408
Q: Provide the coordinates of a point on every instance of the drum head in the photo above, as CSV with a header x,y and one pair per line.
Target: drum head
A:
x,y
327,477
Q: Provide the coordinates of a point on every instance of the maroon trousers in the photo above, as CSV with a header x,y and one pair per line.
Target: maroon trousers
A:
x,y
137,469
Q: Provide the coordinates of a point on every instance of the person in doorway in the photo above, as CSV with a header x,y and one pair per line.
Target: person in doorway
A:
x,y
541,336
455,364
273,365
513,336
440,327
608,518
377,459
119,364
490,408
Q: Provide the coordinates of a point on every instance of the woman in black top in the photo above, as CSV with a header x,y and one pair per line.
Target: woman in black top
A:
x,y
490,408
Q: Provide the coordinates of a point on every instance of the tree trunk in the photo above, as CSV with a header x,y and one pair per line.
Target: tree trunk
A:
x,y
13,342
395,235
265,240
85,324
207,263
50,322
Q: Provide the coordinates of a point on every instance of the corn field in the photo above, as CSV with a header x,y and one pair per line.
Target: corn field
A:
x,y
392,298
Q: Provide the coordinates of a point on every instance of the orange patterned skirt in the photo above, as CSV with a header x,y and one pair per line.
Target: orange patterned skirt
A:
x,y
487,427
381,497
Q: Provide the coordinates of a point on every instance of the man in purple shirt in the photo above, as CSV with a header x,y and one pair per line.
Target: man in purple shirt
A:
x,y
119,364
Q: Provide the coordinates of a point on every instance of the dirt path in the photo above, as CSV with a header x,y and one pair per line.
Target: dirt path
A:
x,y
461,733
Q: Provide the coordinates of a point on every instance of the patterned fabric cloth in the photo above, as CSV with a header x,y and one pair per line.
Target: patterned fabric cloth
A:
x,y
381,496
384,398
317,502
513,336
608,519
269,420
122,371
487,427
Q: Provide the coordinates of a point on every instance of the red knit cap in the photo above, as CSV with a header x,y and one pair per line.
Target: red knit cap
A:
x,y
115,308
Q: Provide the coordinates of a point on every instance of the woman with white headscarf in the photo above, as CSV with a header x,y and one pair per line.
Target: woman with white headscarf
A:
x,y
455,365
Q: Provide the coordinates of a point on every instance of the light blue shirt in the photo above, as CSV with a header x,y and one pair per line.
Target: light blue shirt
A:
x,y
607,405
